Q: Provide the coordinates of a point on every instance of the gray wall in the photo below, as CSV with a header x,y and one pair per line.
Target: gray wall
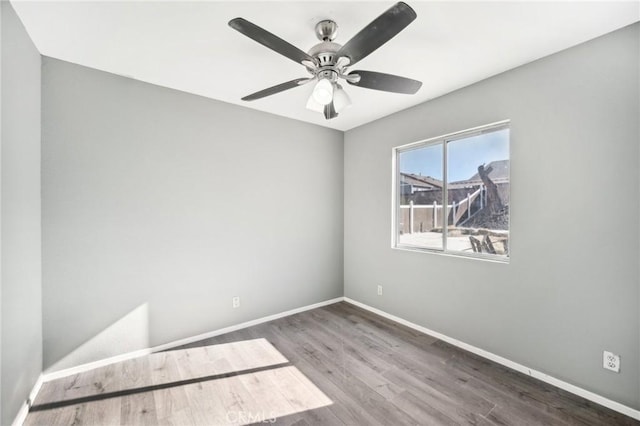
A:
x,y
21,344
160,206
571,289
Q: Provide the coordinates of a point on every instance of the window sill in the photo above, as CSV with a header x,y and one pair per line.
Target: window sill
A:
x,y
472,256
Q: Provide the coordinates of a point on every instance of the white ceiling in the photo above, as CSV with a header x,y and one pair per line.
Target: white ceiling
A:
x,y
189,46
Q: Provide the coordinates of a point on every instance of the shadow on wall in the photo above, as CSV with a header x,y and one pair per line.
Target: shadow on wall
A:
x,y
129,333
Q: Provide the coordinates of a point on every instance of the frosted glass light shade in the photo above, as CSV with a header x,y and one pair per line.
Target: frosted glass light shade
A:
x,y
323,92
341,99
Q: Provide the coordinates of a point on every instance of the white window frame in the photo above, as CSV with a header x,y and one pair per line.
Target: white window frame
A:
x,y
396,193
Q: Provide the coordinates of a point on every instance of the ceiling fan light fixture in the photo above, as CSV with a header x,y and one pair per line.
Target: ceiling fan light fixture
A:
x,y
327,61
341,99
323,92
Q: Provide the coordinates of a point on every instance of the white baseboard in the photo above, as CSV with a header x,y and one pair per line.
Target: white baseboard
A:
x,y
129,355
616,406
24,410
229,329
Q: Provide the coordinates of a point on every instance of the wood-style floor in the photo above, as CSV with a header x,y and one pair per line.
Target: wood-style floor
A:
x,y
330,366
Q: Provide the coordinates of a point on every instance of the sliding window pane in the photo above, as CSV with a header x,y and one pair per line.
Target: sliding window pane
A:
x,y
478,193
420,194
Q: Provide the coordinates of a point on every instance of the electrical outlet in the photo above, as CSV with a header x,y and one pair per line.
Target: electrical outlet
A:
x,y
611,361
235,302
379,290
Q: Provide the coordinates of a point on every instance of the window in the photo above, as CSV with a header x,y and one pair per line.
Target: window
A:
x,y
452,193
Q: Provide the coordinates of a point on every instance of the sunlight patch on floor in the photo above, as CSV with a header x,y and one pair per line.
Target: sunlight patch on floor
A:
x,y
241,382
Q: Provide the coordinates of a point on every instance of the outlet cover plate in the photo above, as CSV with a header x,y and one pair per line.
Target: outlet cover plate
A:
x,y
611,361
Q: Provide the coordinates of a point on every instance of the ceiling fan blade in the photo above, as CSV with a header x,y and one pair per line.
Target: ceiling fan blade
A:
x,y
277,89
269,40
378,32
330,111
385,82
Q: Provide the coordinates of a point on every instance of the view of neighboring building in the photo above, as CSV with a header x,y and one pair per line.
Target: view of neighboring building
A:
x,y
425,190
422,214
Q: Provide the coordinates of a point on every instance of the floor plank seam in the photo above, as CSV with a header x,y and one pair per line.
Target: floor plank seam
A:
x,y
487,415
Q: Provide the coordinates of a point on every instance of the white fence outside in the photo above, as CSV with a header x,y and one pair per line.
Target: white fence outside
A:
x,y
461,210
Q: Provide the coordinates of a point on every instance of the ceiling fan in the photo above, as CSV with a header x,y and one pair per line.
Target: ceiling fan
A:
x,y
328,62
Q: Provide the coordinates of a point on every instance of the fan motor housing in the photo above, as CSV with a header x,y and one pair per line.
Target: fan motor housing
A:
x,y
325,52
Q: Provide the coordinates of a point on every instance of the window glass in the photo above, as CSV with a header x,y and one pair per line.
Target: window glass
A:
x,y
478,193
421,197
465,213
